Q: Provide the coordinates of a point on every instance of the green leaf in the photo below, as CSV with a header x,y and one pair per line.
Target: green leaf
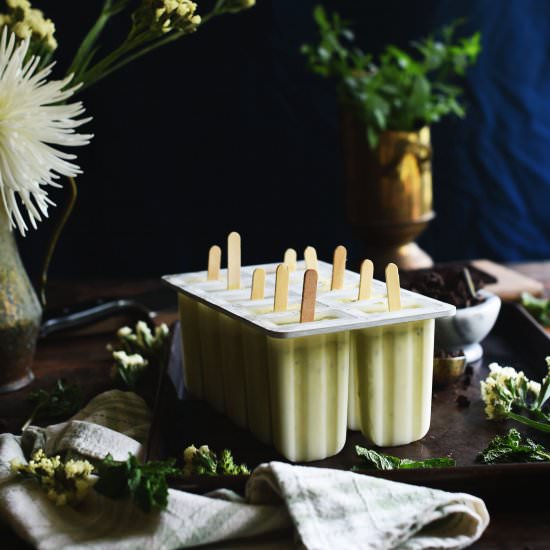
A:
x,y
372,137
145,482
512,447
381,461
539,308
113,478
61,402
416,87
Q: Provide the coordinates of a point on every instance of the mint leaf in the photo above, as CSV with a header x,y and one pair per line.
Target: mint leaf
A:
x,y
61,402
146,483
539,308
380,461
513,447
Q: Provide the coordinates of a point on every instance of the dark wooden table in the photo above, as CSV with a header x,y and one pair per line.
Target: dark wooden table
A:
x,y
82,357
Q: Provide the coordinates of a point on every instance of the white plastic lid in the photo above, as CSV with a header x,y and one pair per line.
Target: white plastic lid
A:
x,y
338,309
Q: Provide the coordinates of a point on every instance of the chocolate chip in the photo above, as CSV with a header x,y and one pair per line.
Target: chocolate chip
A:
x,y
462,401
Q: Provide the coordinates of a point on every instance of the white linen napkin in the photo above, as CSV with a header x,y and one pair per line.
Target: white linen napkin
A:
x,y
285,506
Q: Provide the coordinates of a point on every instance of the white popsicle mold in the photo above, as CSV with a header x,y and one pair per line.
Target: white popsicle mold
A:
x,y
370,368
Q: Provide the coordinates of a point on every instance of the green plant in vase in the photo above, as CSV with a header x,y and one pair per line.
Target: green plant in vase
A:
x,y
388,103
38,120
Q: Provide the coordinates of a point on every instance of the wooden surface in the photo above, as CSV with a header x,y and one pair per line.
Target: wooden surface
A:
x,y
510,282
83,358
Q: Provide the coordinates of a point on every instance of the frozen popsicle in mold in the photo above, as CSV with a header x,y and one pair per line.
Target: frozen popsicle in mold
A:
x,y
188,311
211,325
308,378
392,368
233,356
364,293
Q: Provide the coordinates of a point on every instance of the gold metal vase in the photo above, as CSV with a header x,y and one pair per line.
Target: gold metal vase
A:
x,y
388,192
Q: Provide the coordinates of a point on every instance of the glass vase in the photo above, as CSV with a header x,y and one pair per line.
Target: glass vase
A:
x,y
20,314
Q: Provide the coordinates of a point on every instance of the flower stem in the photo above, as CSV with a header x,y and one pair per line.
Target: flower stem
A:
x,y
543,427
53,241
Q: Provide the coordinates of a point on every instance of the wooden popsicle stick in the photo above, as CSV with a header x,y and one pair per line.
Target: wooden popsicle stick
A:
x,y
392,284
309,295
290,259
281,288
214,263
258,284
338,267
310,256
233,261
365,280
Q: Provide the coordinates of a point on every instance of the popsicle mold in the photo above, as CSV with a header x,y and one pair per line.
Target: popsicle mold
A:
x,y
297,385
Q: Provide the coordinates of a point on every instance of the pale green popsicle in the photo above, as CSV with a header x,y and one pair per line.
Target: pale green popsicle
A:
x,y
209,336
394,366
257,383
232,362
192,357
308,380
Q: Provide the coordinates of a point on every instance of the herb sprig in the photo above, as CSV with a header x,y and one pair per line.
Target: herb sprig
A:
x,y
399,90
513,447
539,308
380,461
61,402
145,483
139,349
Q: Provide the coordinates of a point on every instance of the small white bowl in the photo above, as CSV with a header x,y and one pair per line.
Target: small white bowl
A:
x,y
468,327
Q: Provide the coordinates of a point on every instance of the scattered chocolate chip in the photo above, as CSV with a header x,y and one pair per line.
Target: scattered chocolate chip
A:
x,y
466,381
462,401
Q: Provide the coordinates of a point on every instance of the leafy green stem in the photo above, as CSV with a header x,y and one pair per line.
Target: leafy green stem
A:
x,y
543,427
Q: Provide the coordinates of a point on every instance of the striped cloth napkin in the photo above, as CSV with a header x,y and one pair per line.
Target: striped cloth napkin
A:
x,y
285,506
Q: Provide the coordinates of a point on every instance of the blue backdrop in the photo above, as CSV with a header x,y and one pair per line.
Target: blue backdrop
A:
x,y
492,169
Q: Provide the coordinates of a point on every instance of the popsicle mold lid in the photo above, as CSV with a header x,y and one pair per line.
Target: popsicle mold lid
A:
x,y
336,314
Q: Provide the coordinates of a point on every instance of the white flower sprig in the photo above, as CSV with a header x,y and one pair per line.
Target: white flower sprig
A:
x,y
508,393
139,349
33,120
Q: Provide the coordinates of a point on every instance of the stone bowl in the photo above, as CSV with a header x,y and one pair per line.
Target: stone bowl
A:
x,y
468,327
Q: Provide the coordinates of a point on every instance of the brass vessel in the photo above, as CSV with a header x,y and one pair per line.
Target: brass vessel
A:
x,y
389,192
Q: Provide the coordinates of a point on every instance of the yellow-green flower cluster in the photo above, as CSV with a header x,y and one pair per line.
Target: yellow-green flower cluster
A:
x,y
188,455
27,22
64,482
505,387
203,461
163,16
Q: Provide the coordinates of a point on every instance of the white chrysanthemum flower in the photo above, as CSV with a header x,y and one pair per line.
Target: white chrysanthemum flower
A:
x,y
33,119
533,387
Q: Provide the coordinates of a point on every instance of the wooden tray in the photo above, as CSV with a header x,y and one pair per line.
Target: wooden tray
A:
x,y
458,431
